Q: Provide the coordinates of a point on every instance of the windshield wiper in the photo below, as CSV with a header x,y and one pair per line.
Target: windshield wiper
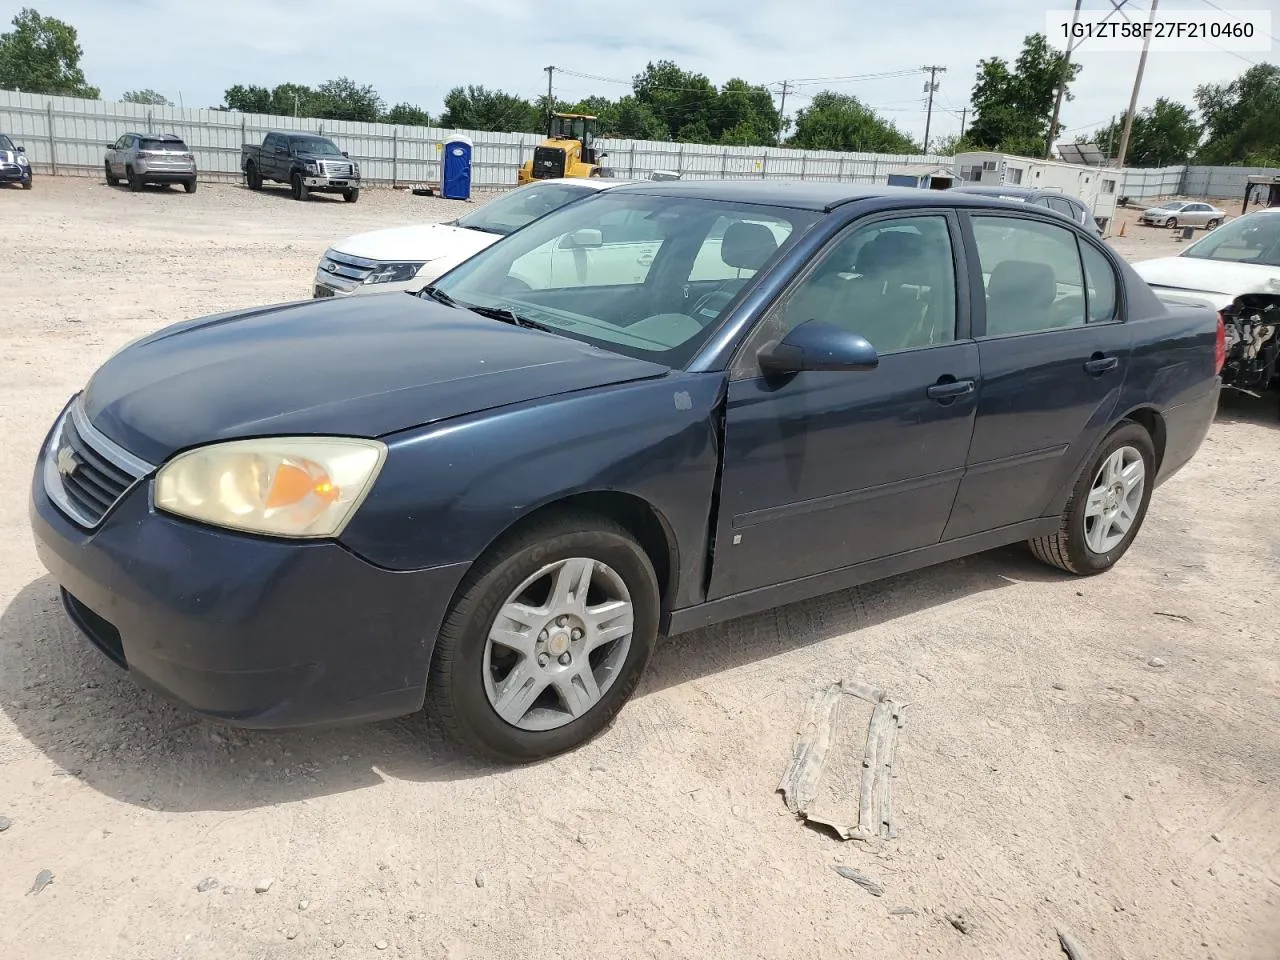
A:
x,y
438,295
507,315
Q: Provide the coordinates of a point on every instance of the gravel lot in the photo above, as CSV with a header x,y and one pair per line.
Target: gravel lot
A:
x,y
1050,778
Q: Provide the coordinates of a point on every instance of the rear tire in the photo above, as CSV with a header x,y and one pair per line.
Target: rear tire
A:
x,y
1080,545
190,185
351,196
462,681
298,188
253,177
135,182
112,179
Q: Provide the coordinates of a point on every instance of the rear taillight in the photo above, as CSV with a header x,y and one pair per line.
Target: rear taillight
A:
x,y
1220,345
146,153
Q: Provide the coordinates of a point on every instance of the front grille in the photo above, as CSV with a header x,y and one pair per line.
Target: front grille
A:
x,y
321,291
346,267
85,473
548,163
337,169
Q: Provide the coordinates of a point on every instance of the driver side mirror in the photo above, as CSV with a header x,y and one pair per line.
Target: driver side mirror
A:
x,y
582,239
815,345
345,154
19,148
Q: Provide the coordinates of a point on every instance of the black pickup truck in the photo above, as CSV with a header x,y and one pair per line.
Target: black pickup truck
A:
x,y
308,163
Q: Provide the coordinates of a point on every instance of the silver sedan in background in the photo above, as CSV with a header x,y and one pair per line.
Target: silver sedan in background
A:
x,y
1184,213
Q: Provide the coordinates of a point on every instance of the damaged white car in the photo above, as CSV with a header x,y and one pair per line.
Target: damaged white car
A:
x,y
1236,269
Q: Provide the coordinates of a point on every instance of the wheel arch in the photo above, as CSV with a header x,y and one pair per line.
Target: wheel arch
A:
x,y
1151,420
634,514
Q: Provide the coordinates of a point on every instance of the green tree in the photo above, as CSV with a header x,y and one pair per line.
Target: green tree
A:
x,y
745,115
148,96
952,145
42,55
680,99
248,99
479,108
291,99
407,115
344,99
1164,133
1242,119
1013,107
838,121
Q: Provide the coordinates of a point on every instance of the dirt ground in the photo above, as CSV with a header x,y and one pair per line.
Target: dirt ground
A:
x,y
1049,776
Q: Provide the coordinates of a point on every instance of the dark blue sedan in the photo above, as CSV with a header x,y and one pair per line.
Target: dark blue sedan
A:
x,y
667,405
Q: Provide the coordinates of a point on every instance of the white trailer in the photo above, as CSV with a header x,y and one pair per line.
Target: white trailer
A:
x,y
1096,186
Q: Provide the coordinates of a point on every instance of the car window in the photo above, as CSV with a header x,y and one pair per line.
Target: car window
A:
x,y
1062,206
520,207
160,145
1032,273
1251,239
892,281
5,143
272,141
617,270
1100,281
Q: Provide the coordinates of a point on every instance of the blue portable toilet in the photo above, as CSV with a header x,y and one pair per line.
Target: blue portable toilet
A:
x,y
455,176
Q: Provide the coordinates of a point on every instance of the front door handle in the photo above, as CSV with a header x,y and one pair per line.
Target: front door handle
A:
x,y
944,392
1097,365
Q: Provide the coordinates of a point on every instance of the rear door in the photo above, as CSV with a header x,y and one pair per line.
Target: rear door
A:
x,y
825,469
1054,351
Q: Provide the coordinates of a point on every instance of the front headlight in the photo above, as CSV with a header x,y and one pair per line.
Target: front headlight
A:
x,y
394,272
310,167
283,486
22,161
355,169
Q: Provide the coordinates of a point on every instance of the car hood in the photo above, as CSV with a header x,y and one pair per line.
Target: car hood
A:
x,y
428,241
365,367
1216,281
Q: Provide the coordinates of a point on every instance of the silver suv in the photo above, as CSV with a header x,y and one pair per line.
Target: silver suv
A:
x,y
139,158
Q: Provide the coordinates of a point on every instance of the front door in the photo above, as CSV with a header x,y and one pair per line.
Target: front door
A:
x,y
825,469
1054,353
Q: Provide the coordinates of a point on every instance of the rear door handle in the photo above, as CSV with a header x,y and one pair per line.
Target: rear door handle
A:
x,y
1098,364
950,390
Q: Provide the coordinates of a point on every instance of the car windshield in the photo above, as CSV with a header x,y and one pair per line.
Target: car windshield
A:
x,y
1173,205
642,275
171,145
314,145
1251,239
522,206
5,143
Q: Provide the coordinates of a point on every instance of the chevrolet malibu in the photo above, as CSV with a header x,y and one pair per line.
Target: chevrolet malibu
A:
x,y
667,405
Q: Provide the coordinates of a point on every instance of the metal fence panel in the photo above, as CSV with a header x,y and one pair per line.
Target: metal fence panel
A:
x,y
66,135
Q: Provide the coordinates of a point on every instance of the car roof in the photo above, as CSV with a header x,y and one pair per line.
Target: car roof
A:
x,y
806,194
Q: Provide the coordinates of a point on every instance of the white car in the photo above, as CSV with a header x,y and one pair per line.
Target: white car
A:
x,y
1184,213
409,258
1236,270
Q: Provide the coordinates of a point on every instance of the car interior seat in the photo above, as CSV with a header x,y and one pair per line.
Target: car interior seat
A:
x,y
1020,298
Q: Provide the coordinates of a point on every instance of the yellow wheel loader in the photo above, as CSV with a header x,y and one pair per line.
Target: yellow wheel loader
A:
x,y
568,151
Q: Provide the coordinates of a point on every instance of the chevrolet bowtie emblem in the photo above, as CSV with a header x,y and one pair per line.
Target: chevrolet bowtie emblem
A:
x,y
66,461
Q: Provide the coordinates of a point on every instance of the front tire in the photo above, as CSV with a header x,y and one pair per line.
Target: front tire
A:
x,y
351,196
112,179
1172,223
1213,225
1107,507
547,639
27,183
298,188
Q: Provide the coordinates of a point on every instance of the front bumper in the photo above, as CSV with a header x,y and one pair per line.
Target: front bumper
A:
x,y
325,183
14,173
253,631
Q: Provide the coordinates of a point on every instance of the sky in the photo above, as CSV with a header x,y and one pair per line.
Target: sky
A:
x,y
415,51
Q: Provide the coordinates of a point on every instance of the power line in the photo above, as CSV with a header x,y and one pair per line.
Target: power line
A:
x,y
1232,13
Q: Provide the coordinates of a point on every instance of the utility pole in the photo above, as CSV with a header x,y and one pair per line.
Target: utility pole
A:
x,y
1062,84
782,109
1111,138
1137,84
964,112
551,73
931,86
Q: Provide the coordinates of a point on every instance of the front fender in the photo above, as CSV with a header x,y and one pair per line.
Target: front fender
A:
x,y
449,490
